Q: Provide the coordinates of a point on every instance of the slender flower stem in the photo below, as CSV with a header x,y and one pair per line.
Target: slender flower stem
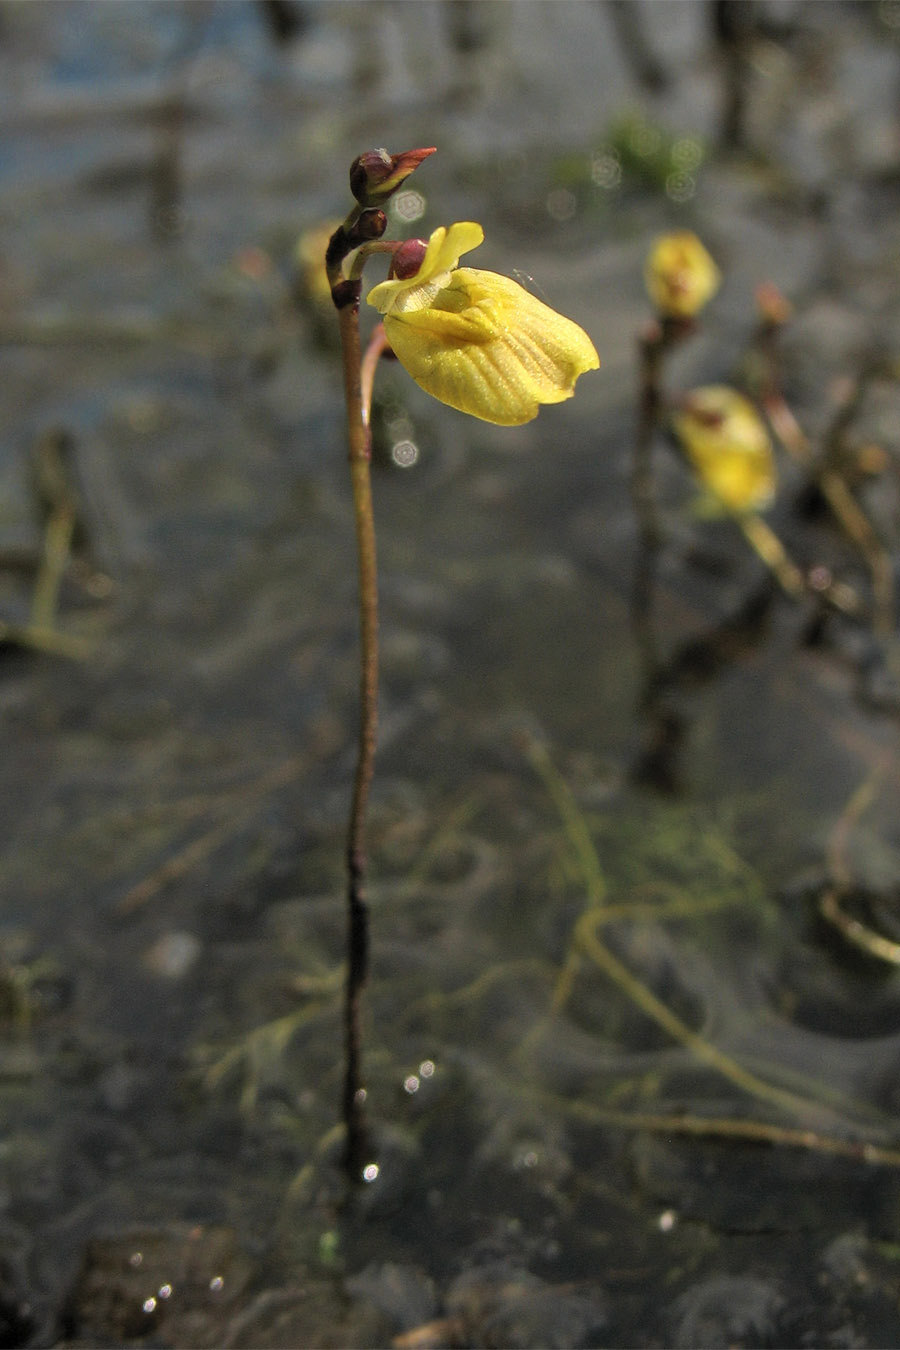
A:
x,y
766,544
356,1149
378,345
374,176
650,348
654,344
368,250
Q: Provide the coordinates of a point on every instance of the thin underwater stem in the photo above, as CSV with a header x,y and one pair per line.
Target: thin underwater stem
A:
x,y
59,532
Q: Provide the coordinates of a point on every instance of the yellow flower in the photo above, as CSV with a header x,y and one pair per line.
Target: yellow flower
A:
x,y
728,446
477,340
680,275
309,257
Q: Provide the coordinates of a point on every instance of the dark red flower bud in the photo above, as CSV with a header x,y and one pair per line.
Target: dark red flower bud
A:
x,y
375,174
367,171
345,293
370,224
408,258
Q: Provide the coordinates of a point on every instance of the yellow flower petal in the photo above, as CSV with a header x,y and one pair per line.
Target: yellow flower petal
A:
x,y
445,248
488,347
728,446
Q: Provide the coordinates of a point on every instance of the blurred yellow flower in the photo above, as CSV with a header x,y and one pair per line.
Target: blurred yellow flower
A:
x,y
680,275
309,258
728,446
477,340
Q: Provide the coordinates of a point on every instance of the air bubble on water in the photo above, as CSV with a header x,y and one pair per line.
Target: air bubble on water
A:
x,y
405,454
680,187
606,169
408,205
561,204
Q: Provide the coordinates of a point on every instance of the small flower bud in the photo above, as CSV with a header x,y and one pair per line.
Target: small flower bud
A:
x,y
367,171
370,224
680,275
408,258
375,174
772,306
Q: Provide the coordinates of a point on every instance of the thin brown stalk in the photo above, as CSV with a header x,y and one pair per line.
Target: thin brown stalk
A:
x,y
378,345
360,234
652,345
356,1152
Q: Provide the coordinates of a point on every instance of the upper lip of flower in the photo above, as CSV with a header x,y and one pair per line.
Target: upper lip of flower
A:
x,y
445,248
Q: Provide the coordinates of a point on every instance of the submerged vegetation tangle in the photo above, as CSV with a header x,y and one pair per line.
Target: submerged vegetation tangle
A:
x,y
474,340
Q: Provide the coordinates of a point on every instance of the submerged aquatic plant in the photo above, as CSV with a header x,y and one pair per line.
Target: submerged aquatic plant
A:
x,y
476,341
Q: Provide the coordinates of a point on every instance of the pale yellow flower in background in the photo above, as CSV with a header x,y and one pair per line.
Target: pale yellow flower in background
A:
x,y
728,446
477,340
309,258
680,275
